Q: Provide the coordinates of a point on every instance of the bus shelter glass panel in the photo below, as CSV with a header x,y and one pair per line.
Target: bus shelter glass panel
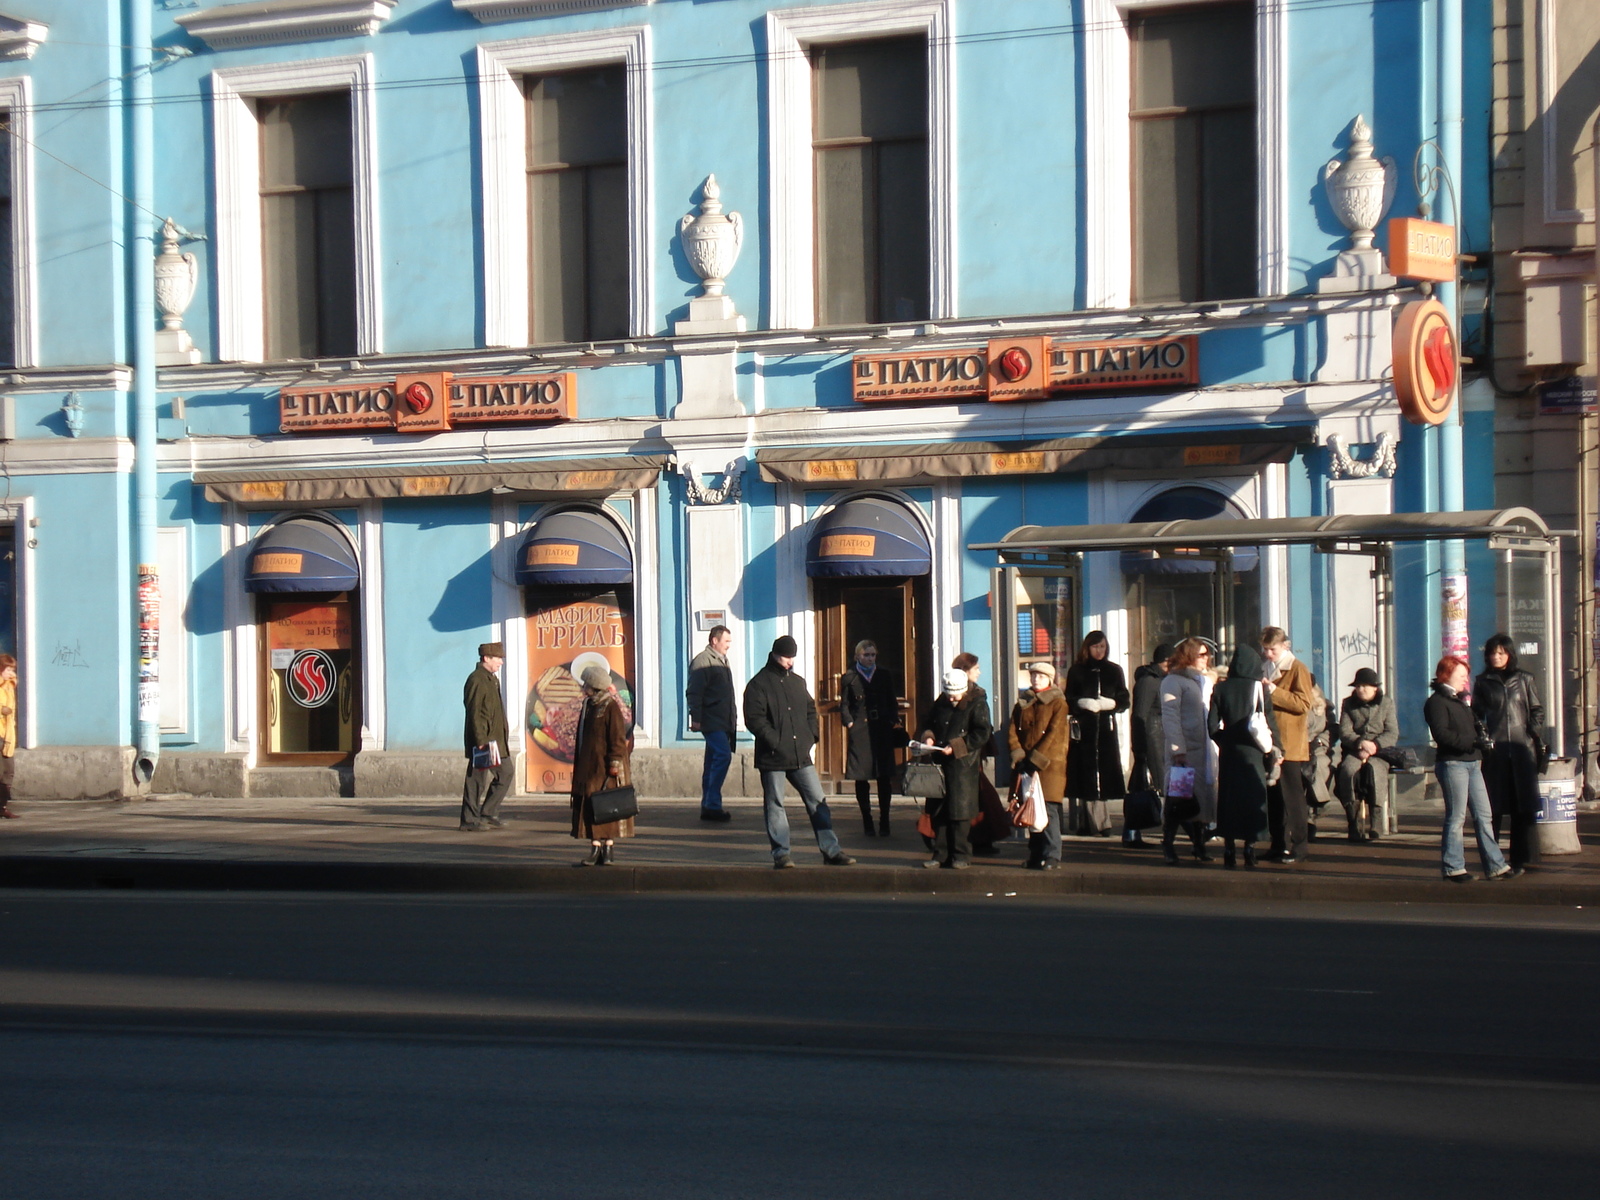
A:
x,y
1046,614
1524,611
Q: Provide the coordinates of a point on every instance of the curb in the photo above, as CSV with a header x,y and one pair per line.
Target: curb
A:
x,y
222,875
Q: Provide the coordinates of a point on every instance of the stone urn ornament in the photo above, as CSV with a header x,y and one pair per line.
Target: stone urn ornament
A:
x,y
712,239
1360,188
177,274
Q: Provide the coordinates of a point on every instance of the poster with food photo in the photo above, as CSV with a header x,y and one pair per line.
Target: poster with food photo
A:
x,y
563,640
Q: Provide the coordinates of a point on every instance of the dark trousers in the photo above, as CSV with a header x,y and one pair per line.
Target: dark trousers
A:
x,y
483,791
952,841
1286,810
8,776
1512,778
1353,783
1045,846
719,753
864,799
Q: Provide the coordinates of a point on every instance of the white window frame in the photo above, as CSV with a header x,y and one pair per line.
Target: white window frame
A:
x,y
1546,67
504,154
236,134
16,97
1108,136
791,32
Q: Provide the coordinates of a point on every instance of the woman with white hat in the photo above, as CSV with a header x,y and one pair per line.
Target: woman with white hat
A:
x,y
957,727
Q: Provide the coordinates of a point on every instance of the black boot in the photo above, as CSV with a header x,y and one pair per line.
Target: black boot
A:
x,y
605,855
596,855
1229,859
864,802
883,819
1250,855
1198,835
1169,852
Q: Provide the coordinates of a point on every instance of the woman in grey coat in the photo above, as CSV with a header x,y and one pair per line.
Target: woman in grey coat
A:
x,y
1367,724
1185,705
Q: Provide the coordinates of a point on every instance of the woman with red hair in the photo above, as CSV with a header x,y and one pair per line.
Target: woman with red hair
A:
x,y
1458,764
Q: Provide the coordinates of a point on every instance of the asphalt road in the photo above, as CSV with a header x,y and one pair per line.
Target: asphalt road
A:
x,y
272,1046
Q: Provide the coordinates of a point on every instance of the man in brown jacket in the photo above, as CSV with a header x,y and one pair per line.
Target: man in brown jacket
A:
x,y
1289,691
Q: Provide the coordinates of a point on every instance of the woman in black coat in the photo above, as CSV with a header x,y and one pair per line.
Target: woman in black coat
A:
x,y
1149,769
1096,692
1506,699
1241,765
869,707
958,726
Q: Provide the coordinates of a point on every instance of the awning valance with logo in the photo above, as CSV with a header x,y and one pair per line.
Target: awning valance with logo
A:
x,y
868,536
533,478
302,554
573,546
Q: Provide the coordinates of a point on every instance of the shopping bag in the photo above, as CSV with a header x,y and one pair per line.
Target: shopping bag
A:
x,y
1259,729
1028,810
921,779
1142,810
1180,782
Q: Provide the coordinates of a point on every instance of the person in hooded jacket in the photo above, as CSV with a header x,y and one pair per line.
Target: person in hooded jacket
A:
x,y
1149,769
1096,692
1185,710
957,728
1506,699
1040,736
1241,765
782,717
1367,724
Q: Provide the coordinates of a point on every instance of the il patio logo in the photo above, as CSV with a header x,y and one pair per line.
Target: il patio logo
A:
x,y
310,678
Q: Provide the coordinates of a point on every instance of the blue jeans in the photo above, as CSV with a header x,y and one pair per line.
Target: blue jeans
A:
x,y
1462,785
719,753
1045,846
810,788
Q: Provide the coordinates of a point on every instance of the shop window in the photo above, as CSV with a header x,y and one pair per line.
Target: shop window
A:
x,y
310,676
577,155
1194,153
308,225
870,148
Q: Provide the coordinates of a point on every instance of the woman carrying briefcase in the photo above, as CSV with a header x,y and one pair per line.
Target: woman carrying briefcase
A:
x,y
599,762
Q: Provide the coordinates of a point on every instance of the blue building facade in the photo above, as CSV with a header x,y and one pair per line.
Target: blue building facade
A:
x,y
463,342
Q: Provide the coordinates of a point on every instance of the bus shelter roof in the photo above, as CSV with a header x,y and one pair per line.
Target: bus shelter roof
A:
x,y
1503,528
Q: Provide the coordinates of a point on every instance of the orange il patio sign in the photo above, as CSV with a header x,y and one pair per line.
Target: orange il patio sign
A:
x,y
428,403
1026,368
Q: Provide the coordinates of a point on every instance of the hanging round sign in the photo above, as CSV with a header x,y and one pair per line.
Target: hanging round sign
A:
x,y
1426,362
310,678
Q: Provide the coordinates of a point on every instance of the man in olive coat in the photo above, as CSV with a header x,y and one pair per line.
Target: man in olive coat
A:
x,y
486,734
779,712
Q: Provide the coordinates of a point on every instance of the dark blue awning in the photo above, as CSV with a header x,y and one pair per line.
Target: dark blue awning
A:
x,y
302,554
574,546
868,537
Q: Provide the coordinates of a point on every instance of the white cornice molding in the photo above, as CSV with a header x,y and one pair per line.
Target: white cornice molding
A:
x,y
790,33
20,38
496,12
240,335
272,22
41,380
505,179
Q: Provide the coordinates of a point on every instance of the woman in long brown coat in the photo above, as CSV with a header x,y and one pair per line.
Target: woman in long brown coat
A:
x,y
600,759
1040,733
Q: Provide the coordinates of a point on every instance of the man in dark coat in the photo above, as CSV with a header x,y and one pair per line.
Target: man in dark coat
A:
x,y
485,732
780,714
869,709
712,711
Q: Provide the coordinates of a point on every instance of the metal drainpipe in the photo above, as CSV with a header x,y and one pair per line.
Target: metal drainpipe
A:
x,y
1453,564
142,285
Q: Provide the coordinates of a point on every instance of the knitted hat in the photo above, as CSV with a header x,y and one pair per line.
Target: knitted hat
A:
x,y
1163,652
955,682
785,647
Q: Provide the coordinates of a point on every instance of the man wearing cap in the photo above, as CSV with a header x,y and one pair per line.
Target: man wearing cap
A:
x,y
485,733
1367,724
779,712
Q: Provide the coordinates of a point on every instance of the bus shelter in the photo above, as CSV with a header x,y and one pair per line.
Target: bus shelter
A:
x,y
1036,589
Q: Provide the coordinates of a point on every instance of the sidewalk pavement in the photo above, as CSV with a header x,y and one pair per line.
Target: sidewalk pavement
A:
x,y
413,845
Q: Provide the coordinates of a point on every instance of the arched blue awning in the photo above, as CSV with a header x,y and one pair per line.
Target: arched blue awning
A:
x,y
573,546
302,554
867,537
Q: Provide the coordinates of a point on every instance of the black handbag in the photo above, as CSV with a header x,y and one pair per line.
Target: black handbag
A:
x,y
1182,808
924,780
1141,810
611,804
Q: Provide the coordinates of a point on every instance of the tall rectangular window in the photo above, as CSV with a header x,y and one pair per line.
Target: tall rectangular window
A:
x,y
578,205
1194,153
8,266
870,149
308,225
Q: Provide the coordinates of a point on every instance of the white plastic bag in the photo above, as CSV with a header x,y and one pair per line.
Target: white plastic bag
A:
x,y
1259,729
1030,812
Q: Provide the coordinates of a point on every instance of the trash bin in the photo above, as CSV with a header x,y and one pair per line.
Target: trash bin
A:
x,y
1558,816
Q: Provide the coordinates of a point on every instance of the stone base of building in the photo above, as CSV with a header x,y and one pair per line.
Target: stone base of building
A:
x,y
75,773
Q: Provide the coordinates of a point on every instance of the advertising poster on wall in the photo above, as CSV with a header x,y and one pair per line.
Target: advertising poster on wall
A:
x,y
565,636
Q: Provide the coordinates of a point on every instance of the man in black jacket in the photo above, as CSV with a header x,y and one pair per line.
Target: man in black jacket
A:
x,y
779,712
712,712
489,776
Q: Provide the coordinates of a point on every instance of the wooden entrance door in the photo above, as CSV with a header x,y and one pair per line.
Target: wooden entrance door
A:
x,y
310,672
895,614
